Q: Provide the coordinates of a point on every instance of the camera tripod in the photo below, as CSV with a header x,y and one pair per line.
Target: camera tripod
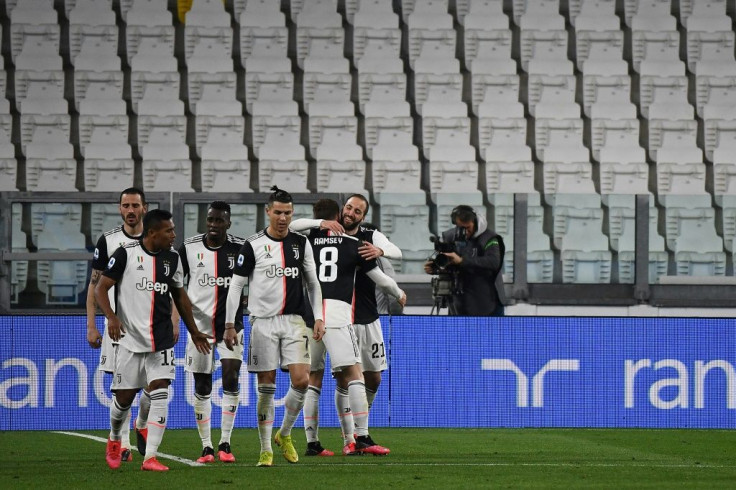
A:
x,y
442,295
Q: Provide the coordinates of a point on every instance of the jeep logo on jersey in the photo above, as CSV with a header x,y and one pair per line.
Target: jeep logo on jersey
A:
x,y
167,268
230,262
274,271
211,281
146,285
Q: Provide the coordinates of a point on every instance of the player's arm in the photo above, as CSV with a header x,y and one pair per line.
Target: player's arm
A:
x,y
94,339
244,266
387,285
175,316
111,275
315,292
99,262
304,224
381,246
184,306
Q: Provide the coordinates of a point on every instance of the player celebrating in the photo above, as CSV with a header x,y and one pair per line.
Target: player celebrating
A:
x,y
367,325
208,261
147,274
132,206
275,262
338,259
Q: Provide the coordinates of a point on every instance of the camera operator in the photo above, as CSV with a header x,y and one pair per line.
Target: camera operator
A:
x,y
475,264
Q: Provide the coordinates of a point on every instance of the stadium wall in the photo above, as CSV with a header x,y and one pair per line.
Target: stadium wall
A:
x,y
444,372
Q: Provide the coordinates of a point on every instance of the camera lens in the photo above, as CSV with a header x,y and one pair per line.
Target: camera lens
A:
x,y
441,261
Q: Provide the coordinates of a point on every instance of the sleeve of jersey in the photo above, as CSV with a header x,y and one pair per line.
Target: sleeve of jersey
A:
x,y
390,251
100,258
246,261
313,287
384,282
177,280
116,265
183,260
304,224
233,297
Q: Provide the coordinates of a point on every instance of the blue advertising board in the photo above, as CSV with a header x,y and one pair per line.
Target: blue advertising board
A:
x,y
444,372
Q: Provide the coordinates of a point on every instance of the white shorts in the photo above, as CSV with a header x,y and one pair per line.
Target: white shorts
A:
x,y
134,370
196,362
277,342
317,354
342,346
371,345
107,353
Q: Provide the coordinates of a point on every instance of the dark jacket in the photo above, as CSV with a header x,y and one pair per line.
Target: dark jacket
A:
x,y
479,276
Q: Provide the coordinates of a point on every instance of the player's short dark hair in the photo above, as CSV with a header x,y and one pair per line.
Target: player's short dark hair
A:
x,y
326,209
220,206
133,191
362,198
279,195
153,219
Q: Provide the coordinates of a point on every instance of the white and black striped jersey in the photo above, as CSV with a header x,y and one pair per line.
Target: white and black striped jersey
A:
x,y
209,272
106,245
338,260
142,295
275,270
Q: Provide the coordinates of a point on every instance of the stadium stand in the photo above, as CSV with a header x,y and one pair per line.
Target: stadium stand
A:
x,y
421,104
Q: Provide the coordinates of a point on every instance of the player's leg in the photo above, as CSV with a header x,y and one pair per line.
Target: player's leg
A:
x,y
263,359
372,357
141,420
345,416
128,378
317,354
344,346
201,367
231,361
295,337
107,365
160,372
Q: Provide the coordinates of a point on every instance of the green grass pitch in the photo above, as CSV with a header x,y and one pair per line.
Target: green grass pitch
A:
x,y
420,458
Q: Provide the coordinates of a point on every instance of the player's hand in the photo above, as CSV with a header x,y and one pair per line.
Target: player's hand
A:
x,y
319,330
115,328
334,226
94,339
369,251
201,342
402,299
230,336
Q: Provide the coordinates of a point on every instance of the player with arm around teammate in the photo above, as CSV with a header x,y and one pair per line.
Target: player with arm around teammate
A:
x,y
147,274
208,260
367,327
132,206
338,259
276,263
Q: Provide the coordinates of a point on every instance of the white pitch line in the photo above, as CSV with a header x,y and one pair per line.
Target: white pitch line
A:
x,y
185,461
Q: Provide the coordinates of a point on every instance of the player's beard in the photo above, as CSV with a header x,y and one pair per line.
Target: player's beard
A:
x,y
350,226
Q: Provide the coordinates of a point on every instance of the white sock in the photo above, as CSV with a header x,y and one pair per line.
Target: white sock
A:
x,y
293,404
125,432
203,414
230,401
144,407
311,414
265,412
118,416
370,395
157,421
359,406
342,405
